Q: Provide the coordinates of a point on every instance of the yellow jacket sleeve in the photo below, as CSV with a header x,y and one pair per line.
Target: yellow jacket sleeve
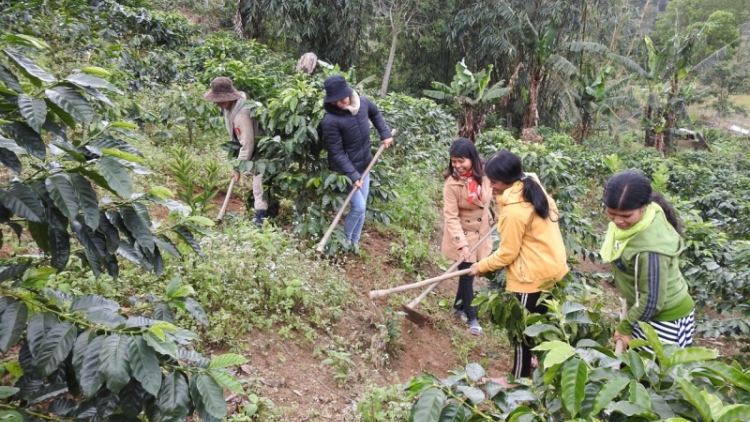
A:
x,y
512,230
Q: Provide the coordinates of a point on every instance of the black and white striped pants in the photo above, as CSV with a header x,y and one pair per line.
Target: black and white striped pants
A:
x,y
679,332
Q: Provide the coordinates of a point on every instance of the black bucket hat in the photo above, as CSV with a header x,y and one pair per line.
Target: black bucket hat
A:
x,y
336,89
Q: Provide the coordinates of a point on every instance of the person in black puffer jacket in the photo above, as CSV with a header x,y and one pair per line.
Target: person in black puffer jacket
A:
x,y
346,133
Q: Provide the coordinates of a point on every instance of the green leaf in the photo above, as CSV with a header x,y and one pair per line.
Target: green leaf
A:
x,y
10,79
12,324
87,199
35,74
165,347
729,373
653,340
202,221
536,329
212,395
694,397
114,362
6,392
227,360
558,355
639,395
608,392
89,303
95,176
573,378
10,160
116,175
91,81
59,244
112,152
165,244
429,406
28,139
145,365
551,345
635,362
62,114
472,393
161,192
227,381
63,194
23,201
55,348
11,416
173,399
197,312
34,110
570,307
734,413
12,271
690,355
89,377
72,102
627,408
137,227
186,235
455,412
474,371
26,41
95,70
79,351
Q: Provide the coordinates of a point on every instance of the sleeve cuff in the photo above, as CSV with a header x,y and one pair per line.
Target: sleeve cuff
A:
x,y
625,328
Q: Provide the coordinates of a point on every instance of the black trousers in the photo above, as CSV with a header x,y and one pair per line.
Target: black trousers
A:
x,y
465,293
522,352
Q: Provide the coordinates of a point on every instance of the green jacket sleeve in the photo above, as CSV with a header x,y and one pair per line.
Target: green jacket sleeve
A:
x,y
651,290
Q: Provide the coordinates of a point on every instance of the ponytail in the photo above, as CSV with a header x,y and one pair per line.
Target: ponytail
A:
x,y
669,211
507,168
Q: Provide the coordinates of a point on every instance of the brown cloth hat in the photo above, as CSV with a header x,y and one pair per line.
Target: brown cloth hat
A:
x,y
221,90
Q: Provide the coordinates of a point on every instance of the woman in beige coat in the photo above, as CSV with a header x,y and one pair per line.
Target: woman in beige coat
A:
x,y
466,214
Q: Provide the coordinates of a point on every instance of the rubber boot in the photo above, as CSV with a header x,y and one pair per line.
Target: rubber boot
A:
x,y
260,215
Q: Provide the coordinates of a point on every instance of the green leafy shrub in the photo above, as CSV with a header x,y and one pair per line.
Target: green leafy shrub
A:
x,y
255,278
383,404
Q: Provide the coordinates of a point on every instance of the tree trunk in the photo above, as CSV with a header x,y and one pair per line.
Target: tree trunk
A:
x,y
649,135
391,55
532,118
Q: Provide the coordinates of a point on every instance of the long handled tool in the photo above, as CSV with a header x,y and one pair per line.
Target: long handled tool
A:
x,y
620,346
411,309
374,294
327,235
223,210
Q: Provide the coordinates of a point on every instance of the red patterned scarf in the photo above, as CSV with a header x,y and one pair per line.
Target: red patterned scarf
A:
x,y
475,191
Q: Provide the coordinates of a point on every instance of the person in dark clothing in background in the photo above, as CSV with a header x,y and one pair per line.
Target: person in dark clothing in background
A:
x,y
346,133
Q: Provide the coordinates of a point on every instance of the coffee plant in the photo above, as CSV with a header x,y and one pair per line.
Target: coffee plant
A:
x,y
87,357
579,378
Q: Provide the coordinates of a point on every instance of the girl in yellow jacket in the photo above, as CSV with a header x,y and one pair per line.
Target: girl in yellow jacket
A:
x,y
531,246
466,214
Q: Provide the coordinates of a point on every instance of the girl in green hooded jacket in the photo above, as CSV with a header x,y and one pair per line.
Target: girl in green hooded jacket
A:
x,y
643,243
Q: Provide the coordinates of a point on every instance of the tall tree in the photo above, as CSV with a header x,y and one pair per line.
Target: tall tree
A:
x,y
332,29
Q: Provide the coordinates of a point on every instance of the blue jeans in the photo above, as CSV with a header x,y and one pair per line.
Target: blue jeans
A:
x,y
356,217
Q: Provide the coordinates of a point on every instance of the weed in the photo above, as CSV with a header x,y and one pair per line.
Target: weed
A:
x,y
341,363
387,403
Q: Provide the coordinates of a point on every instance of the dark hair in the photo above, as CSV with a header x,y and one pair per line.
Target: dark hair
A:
x,y
464,148
507,168
631,190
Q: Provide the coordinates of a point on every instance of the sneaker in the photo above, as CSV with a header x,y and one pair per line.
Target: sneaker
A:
x,y
355,249
460,314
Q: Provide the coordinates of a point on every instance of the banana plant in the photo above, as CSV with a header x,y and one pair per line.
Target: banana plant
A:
x,y
475,97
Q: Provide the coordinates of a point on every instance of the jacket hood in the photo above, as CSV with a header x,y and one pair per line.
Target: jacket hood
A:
x,y
514,194
660,237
